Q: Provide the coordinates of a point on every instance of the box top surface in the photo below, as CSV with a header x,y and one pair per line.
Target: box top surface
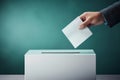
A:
x,y
76,51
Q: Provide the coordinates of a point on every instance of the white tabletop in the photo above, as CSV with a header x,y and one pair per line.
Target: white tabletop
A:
x,y
21,77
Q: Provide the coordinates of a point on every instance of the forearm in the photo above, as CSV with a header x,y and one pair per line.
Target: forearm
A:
x,y
112,14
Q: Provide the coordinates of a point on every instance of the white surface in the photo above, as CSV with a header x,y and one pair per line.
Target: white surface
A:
x,y
11,77
60,65
21,77
75,35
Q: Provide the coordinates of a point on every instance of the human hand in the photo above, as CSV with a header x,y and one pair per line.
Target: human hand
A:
x,y
91,19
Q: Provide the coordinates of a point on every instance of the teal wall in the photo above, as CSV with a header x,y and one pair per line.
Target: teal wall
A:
x,y
37,24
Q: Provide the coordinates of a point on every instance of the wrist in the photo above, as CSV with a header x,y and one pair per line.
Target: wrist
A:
x,y
103,18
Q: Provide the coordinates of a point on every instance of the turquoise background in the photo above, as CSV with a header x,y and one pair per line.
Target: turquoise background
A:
x,y
37,24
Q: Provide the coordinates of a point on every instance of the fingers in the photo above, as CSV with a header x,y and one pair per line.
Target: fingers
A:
x,y
83,16
86,20
85,23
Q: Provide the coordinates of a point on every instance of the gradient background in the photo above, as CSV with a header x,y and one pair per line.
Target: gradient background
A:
x,y
37,24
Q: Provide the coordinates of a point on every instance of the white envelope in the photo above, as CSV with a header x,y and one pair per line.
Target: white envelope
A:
x,y
75,35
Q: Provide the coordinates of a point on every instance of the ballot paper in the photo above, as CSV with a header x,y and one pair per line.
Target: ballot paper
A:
x,y
75,35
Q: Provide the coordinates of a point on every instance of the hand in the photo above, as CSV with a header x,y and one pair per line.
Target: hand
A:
x,y
91,18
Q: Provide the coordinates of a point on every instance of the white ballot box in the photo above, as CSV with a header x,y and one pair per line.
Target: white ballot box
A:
x,y
60,65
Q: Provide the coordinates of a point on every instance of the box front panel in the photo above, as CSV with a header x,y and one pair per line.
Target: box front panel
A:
x,y
63,66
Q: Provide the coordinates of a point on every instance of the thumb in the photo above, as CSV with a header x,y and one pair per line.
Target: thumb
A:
x,y
85,23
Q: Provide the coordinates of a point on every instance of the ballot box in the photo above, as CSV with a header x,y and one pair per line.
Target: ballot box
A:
x,y
60,65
